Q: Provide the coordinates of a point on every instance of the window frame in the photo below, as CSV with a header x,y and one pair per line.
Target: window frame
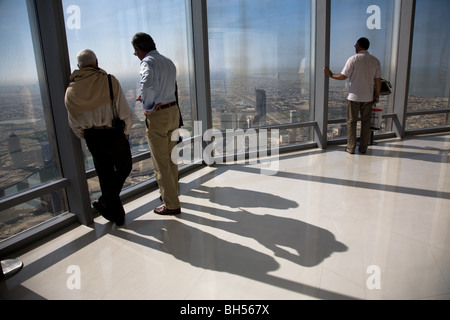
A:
x,y
47,18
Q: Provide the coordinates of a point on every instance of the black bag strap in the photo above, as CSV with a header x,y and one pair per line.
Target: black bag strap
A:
x,y
111,95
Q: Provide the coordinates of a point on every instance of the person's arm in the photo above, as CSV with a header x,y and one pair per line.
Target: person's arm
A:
x,y
124,112
147,90
337,76
376,95
76,127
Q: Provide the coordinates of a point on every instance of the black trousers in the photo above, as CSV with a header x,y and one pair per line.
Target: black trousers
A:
x,y
113,163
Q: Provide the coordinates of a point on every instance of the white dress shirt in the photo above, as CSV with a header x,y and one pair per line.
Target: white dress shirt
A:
x,y
158,78
362,69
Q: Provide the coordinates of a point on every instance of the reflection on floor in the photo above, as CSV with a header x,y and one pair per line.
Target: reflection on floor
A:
x,y
326,225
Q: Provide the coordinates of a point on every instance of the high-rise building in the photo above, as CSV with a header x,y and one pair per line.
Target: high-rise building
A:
x,y
293,116
15,150
228,121
261,107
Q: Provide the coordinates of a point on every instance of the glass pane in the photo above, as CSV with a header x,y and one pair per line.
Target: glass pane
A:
x,y
107,27
27,215
28,151
428,121
259,62
351,20
430,74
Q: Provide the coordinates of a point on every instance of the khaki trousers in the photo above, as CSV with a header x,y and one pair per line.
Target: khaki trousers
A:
x,y
353,110
160,126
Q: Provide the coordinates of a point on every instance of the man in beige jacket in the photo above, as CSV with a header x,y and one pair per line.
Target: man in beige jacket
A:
x,y
89,104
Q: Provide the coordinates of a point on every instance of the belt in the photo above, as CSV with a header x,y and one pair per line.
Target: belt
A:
x,y
165,106
100,128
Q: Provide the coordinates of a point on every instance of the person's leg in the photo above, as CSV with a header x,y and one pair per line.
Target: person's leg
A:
x,y
160,126
175,119
366,112
352,120
123,164
95,141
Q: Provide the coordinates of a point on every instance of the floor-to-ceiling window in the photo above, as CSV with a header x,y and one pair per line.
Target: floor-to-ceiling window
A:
x,y
351,20
28,152
259,62
107,27
259,54
429,84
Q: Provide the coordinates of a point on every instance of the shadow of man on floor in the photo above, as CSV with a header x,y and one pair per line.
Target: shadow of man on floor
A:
x,y
292,239
204,250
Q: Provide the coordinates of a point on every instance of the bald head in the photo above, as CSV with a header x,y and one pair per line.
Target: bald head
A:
x,y
87,58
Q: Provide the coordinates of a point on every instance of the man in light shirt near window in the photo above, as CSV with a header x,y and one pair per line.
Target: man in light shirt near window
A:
x,y
158,85
364,73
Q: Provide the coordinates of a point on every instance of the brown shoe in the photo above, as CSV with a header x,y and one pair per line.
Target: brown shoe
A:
x,y
349,151
167,212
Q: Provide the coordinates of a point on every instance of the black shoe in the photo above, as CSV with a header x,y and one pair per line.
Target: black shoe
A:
x,y
363,151
102,210
97,206
120,221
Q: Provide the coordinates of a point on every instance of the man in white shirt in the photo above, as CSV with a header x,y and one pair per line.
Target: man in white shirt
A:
x,y
158,85
364,72
88,101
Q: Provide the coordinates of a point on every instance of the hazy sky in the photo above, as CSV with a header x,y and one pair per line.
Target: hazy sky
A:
x,y
258,36
250,35
17,53
107,27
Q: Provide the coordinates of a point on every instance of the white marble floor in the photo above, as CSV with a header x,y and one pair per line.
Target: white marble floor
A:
x,y
327,225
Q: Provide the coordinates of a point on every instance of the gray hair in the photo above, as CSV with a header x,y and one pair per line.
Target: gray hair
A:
x,y
86,58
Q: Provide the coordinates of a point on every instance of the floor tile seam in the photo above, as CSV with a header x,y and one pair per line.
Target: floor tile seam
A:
x,y
390,230
192,290
446,278
436,297
351,280
360,259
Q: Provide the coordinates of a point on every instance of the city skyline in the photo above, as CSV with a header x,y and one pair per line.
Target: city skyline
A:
x,y
259,67
250,37
22,170
248,108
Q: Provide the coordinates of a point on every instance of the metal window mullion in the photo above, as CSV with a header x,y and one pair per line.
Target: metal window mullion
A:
x,y
320,37
403,64
427,112
31,194
52,59
199,36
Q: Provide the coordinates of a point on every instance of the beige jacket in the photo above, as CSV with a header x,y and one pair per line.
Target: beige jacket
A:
x,y
88,101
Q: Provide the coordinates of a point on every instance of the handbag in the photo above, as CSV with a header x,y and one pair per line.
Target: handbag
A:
x,y
386,87
117,123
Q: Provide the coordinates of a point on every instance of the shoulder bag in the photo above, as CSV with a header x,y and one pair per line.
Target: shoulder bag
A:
x,y
117,123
